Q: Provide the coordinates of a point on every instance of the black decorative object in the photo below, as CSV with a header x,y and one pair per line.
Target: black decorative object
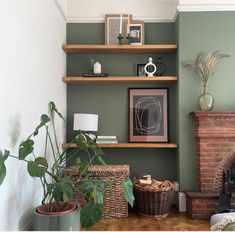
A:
x,y
161,68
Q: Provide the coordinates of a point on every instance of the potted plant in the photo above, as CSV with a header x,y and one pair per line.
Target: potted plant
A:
x,y
57,211
204,65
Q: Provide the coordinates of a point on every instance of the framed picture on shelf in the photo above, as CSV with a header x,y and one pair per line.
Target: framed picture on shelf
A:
x,y
136,30
114,24
140,70
148,115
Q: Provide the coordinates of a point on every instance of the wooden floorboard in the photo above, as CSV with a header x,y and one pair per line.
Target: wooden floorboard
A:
x,y
175,221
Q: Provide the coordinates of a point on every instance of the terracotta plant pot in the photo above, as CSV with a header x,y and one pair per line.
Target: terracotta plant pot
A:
x,y
65,218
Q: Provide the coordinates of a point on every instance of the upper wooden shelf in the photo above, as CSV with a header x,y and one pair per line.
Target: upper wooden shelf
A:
x,y
115,49
129,145
101,80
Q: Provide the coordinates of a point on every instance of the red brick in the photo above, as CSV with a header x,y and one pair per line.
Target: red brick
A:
x,y
215,151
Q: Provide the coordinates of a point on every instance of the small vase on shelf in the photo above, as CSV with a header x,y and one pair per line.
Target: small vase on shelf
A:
x,y
205,100
97,68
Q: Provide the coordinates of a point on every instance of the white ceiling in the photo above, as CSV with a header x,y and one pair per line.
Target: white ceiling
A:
x,y
87,11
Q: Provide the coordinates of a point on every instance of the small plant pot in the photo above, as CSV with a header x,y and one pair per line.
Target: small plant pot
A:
x,y
66,219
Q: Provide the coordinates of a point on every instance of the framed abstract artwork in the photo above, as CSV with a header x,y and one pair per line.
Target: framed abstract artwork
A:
x,y
148,115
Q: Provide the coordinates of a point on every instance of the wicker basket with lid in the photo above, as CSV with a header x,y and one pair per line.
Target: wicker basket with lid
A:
x,y
115,205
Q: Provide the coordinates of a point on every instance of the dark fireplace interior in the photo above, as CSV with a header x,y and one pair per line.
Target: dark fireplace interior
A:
x,y
228,188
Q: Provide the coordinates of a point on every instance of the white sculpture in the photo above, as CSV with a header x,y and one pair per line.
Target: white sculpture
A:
x,y
149,64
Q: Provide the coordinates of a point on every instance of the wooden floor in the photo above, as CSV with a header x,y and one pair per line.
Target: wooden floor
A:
x,y
175,221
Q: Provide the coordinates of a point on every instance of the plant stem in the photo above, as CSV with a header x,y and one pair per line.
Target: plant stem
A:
x,y
53,152
45,151
54,131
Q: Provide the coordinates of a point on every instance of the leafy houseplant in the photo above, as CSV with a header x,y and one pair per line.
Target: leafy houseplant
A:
x,y
205,65
58,189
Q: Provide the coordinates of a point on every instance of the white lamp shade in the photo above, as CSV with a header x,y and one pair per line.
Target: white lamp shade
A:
x,y
85,122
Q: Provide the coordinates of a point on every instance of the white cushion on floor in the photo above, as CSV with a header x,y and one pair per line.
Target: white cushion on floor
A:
x,y
219,216
227,223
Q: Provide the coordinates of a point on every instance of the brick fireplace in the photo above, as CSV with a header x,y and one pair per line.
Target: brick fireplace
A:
x,y
215,151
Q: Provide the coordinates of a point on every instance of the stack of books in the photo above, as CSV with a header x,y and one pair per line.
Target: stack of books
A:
x,y
106,139
95,74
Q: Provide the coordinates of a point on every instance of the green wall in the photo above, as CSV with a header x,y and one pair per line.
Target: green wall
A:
x,y
193,32
202,31
177,95
110,101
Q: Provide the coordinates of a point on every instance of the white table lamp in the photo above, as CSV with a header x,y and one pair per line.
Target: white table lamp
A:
x,y
86,122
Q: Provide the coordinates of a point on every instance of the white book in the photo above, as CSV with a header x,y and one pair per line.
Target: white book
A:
x,y
101,142
106,136
106,139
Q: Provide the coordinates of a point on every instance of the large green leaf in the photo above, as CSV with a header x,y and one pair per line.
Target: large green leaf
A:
x,y
54,109
90,214
93,190
37,167
78,162
44,120
26,148
83,167
100,159
62,190
81,142
128,191
3,170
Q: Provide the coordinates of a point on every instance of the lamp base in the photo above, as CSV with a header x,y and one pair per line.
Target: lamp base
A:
x,y
92,136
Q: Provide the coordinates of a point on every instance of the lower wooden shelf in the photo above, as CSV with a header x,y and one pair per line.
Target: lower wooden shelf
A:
x,y
120,80
129,145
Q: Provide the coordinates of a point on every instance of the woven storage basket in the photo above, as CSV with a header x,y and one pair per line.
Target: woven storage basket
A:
x,y
115,205
152,203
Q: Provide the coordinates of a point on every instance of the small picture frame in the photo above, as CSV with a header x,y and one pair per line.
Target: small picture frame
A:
x,y
112,27
140,72
148,115
136,30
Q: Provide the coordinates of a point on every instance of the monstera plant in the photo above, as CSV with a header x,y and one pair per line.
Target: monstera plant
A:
x,y
59,189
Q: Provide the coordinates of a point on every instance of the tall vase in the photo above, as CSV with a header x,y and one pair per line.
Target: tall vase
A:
x,y
205,100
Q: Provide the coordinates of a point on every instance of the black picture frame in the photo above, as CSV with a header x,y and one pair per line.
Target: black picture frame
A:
x,y
136,30
140,72
148,115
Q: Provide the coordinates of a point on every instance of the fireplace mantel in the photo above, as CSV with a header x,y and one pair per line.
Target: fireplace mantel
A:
x,y
212,113
214,124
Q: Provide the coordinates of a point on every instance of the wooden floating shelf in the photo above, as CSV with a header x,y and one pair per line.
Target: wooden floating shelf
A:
x,y
101,80
115,49
129,145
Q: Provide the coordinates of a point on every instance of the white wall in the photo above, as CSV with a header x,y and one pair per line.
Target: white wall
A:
x,y
32,64
206,5
93,11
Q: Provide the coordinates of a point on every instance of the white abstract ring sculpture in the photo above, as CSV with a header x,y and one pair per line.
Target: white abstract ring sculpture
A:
x,y
149,64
